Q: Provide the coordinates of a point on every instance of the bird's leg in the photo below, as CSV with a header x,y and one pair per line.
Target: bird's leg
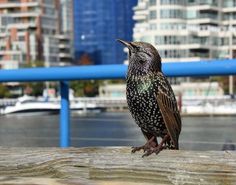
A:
x,y
151,143
159,147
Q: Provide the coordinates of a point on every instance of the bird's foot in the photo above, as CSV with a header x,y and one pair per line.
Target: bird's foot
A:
x,y
148,146
155,150
158,148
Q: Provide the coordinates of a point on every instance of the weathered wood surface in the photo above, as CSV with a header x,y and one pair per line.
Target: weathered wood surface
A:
x,y
113,166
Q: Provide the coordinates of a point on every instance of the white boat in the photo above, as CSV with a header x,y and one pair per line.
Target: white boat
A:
x,y
204,109
29,104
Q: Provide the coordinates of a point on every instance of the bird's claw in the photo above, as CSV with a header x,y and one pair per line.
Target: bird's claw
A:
x,y
145,148
135,149
147,153
148,146
150,151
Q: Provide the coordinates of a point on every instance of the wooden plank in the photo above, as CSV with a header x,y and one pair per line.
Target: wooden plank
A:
x,y
113,166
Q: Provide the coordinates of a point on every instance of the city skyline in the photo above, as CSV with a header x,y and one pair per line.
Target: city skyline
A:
x,y
57,31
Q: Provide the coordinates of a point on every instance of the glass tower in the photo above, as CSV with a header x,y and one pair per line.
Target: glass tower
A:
x,y
97,25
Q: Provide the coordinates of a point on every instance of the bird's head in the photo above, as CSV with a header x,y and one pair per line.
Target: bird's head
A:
x,y
143,57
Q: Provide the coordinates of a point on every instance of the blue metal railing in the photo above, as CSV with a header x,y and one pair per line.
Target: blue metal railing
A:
x,y
65,74
64,115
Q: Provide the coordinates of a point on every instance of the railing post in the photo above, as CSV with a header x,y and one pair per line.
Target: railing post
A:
x,y
64,115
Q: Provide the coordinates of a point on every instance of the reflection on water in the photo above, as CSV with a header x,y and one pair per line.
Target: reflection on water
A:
x,y
112,129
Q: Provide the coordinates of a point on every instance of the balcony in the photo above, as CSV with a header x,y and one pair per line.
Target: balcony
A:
x,y
66,46
23,25
18,4
139,17
25,14
10,52
229,9
140,6
65,55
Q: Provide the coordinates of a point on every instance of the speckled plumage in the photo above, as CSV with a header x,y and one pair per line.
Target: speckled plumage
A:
x,y
150,98
141,99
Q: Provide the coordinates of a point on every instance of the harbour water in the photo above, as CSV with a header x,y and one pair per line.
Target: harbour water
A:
x,y
112,129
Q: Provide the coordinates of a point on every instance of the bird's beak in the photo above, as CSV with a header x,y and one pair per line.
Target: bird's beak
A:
x,y
127,44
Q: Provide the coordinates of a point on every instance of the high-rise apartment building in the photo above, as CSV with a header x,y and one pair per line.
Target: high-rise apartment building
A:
x,y
66,36
31,30
97,25
187,30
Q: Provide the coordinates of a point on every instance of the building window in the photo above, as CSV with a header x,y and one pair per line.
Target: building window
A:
x,y
208,2
214,41
48,2
224,41
173,2
21,38
152,2
152,14
152,26
173,53
229,3
172,13
229,16
212,15
170,40
15,57
191,14
191,1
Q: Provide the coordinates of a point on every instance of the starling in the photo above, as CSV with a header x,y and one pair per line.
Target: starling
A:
x,y
151,99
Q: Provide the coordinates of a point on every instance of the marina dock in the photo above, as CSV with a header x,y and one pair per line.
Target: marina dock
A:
x,y
114,166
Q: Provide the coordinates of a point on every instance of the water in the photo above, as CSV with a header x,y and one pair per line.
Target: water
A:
x,y
111,129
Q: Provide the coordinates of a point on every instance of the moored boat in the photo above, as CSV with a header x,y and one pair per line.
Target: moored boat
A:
x,y
29,104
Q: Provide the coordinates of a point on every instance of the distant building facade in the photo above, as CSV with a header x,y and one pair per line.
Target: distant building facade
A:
x,y
198,89
186,89
187,30
66,36
27,32
112,90
30,30
97,25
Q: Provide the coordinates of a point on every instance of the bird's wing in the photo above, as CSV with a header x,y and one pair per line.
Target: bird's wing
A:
x,y
169,111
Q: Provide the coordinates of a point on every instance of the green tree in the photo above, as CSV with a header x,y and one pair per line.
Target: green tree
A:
x,y
35,63
4,92
78,87
85,87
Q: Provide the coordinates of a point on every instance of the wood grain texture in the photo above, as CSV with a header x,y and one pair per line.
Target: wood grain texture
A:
x,y
113,166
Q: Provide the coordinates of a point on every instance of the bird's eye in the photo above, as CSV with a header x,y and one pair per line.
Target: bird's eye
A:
x,y
138,49
144,51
